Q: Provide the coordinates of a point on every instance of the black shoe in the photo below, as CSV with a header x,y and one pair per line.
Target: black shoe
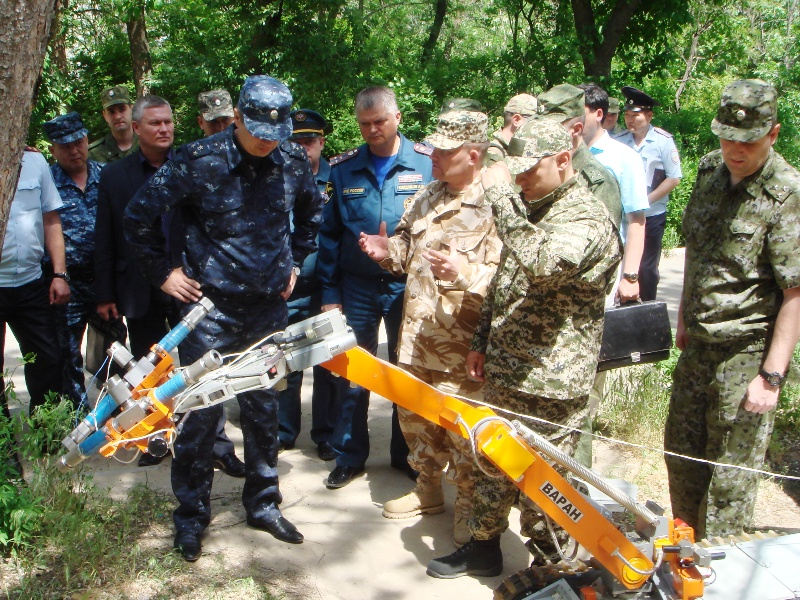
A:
x,y
285,446
188,544
406,468
483,558
148,460
280,528
230,465
341,476
326,452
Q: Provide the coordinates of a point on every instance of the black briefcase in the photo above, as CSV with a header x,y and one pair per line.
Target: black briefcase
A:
x,y
635,333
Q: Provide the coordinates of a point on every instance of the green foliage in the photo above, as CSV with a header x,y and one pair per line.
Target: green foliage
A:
x,y
787,416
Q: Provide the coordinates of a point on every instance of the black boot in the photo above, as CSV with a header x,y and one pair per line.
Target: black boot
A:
x,y
483,558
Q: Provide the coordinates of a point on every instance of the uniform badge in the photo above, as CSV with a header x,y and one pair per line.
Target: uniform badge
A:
x,y
300,116
163,174
326,195
409,177
675,158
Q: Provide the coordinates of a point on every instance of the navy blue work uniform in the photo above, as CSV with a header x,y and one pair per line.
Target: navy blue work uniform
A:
x,y
241,249
366,292
305,301
78,216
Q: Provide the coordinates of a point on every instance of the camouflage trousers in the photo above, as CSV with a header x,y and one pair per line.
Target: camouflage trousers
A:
x,y
707,420
493,498
432,447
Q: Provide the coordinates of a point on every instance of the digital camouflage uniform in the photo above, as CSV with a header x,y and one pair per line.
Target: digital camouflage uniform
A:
x,y
524,105
741,252
241,250
497,150
540,327
439,317
78,215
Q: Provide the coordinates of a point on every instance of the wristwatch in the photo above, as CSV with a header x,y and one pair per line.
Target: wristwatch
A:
x,y
774,379
296,271
64,276
632,277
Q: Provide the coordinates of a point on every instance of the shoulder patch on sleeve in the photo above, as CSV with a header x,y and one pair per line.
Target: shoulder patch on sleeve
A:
x,y
421,148
662,132
199,148
163,174
340,158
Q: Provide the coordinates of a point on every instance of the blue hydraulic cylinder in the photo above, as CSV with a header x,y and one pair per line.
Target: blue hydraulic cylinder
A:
x,y
102,411
93,443
178,333
185,377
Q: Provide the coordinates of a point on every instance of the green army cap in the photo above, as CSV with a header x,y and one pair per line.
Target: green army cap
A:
x,y
563,102
461,121
115,95
747,111
535,140
215,104
613,106
522,104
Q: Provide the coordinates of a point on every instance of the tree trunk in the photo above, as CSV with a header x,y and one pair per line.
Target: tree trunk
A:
x,y
58,44
436,28
140,51
598,50
24,33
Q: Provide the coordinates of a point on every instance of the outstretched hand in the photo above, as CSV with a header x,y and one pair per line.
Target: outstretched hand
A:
x,y
376,246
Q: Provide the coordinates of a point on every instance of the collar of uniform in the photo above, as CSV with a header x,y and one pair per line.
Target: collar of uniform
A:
x,y
235,157
553,196
94,172
324,172
404,155
143,161
754,184
650,136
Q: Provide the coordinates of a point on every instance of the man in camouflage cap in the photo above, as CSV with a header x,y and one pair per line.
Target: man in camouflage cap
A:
x,y
565,104
216,111
237,191
740,311
612,117
518,110
447,244
121,141
539,332
77,179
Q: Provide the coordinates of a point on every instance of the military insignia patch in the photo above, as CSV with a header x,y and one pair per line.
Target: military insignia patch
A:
x,y
163,174
326,195
409,177
675,158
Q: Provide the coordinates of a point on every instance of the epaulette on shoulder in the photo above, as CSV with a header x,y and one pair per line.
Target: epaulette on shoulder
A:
x,y
710,161
340,158
200,148
784,182
96,143
292,149
663,132
421,148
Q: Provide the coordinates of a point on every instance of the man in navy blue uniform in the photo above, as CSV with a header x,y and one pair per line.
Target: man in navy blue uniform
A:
x,y
370,186
236,191
77,179
308,130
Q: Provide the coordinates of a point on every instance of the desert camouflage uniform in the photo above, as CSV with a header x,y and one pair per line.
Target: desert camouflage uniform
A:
x,y
741,252
439,317
541,324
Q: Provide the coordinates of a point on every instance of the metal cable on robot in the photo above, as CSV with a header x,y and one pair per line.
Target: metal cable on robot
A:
x,y
622,442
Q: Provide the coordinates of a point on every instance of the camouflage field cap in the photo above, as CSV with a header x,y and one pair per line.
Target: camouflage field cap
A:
x,y
522,104
747,111
561,102
462,120
265,103
535,140
613,106
307,123
65,128
215,104
118,94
